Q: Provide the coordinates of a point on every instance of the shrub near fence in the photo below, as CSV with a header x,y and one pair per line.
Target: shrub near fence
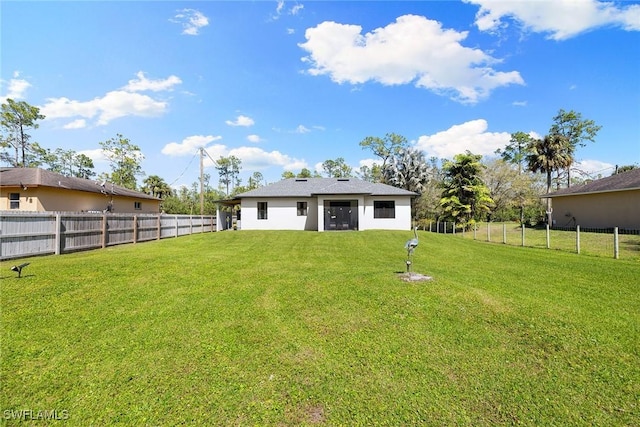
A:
x,y
24,234
624,244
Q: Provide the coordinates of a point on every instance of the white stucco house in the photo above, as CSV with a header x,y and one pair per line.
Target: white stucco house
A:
x,y
325,204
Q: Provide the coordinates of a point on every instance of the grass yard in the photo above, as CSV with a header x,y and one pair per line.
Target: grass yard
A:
x,y
305,328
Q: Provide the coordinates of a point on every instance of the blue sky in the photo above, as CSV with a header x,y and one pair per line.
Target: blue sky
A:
x,y
287,85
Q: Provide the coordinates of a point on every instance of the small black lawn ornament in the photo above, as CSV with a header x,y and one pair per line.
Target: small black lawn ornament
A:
x,y
18,268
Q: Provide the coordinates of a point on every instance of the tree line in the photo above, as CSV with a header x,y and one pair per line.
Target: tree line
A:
x,y
465,189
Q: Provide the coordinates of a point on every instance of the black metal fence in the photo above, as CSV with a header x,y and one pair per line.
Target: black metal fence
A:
x,y
607,242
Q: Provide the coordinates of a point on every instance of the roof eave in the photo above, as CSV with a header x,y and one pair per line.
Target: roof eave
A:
x,y
582,193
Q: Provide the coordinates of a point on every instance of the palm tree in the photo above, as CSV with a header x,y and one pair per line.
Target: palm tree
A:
x,y
552,153
156,186
408,170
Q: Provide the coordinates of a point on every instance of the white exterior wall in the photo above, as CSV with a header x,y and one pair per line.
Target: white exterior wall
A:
x,y
282,214
402,221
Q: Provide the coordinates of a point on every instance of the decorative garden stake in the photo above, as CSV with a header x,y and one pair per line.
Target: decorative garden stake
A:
x,y
410,246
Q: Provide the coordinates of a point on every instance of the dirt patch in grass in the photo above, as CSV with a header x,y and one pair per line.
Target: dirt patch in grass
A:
x,y
414,277
315,414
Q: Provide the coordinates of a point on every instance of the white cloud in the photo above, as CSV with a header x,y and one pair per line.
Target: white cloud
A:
x,y
535,135
254,158
318,168
254,138
111,106
189,145
561,19
76,124
191,20
519,103
594,167
114,104
280,9
301,129
472,136
413,49
368,162
16,88
241,121
97,155
296,9
143,84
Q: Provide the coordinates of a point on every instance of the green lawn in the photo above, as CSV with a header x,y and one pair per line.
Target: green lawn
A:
x,y
305,328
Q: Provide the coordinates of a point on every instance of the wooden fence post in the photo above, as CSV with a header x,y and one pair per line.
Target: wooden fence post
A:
x,y
159,226
104,231
616,249
504,233
176,218
578,239
58,239
523,227
475,229
489,231
135,229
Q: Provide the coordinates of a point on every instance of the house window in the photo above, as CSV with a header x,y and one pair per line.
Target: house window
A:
x,y
262,210
384,209
302,208
14,200
137,205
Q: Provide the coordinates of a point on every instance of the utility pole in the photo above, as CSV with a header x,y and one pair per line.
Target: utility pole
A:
x,y
201,181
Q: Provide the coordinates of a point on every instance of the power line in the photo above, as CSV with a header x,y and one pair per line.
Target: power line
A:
x,y
185,169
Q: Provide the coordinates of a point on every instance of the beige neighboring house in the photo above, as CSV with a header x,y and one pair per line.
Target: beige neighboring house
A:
x,y
39,190
609,202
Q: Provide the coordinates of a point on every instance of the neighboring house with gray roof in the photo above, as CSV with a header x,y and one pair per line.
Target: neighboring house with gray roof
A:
x,y
609,202
39,190
325,204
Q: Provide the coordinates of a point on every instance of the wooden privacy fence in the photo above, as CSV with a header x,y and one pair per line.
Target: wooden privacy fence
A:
x,y
24,234
613,242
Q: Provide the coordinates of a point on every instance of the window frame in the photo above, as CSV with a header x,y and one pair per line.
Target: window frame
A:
x,y
263,210
388,211
302,208
14,201
137,206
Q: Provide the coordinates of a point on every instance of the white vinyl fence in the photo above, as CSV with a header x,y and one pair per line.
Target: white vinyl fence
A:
x,y
24,234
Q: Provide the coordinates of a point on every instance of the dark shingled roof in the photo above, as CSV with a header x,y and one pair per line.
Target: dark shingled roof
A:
x,y
36,177
309,187
629,180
